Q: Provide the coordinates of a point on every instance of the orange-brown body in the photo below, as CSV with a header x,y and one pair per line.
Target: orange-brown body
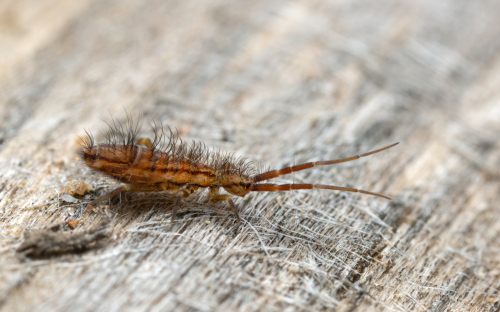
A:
x,y
143,166
182,169
140,165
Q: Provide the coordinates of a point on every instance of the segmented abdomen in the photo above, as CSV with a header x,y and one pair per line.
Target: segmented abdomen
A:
x,y
135,164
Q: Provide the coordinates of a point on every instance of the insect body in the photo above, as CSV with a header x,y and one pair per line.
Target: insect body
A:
x,y
169,164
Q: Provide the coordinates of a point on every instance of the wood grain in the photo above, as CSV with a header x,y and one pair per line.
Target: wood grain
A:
x,y
280,82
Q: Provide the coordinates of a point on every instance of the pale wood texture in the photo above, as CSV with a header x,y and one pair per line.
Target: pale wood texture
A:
x,y
280,82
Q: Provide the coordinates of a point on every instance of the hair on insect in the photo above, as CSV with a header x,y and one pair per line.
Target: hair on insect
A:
x,y
167,163
123,140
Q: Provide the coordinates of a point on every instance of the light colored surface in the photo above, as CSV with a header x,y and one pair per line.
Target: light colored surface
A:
x,y
280,82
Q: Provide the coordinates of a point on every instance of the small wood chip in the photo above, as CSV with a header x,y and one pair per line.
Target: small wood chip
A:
x,y
77,188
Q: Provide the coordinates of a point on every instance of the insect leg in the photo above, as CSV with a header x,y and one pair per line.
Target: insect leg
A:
x,y
213,192
218,198
177,203
134,188
289,187
276,173
162,187
230,201
188,190
114,192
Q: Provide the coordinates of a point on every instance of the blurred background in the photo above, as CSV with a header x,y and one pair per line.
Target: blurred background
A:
x,y
280,82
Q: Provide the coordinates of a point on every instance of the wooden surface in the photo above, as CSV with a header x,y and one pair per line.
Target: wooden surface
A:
x,y
279,82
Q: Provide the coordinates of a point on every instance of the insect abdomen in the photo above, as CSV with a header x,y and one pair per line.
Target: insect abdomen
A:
x,y
134,164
